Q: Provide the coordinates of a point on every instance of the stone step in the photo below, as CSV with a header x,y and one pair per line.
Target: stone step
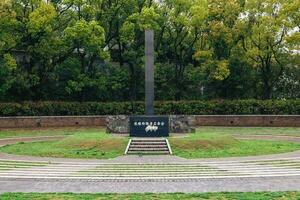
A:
x,y
144,141
148,146
148,140
154,143
149,149
145,145
147,152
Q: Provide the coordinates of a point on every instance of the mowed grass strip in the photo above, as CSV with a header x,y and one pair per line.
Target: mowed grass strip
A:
x,y
288,131
216,145
82,145
10,165
285,164
152,196
12,133
23,162
15,133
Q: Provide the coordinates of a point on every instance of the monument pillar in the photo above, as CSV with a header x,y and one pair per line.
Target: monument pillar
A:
x,y
148,125
149,72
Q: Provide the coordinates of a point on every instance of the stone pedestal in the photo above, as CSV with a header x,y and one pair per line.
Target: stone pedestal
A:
x,y
182,124
119,124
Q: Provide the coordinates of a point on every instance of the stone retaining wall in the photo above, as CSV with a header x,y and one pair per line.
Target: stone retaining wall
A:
x,y
196,120
248,120
51,121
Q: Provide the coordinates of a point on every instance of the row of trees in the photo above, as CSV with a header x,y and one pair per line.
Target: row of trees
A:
x,y
91,50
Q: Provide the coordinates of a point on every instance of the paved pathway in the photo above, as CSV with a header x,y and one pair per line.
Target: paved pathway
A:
x,y
279,172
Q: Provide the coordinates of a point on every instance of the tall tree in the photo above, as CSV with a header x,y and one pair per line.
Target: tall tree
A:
x,y
266,29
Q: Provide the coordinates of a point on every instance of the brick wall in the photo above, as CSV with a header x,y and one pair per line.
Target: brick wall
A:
x,y
53,121
199,120
248,120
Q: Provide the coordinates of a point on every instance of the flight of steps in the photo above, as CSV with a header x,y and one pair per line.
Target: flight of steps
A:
x,y
148,146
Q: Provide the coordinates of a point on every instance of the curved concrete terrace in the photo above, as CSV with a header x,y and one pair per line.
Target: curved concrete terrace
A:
x,y
277,172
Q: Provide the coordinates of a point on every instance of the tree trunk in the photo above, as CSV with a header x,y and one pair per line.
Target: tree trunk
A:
x,y
267,91
132,94
267,88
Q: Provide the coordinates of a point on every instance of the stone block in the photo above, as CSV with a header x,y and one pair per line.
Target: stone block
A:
x,y
117,124
182,124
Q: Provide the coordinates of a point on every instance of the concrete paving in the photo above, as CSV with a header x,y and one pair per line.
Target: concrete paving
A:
x,y
203,185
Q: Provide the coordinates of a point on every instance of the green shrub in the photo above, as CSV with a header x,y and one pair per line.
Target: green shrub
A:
x,y
216,107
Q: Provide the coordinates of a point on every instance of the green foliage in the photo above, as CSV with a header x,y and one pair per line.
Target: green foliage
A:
x,y
266,30
41,19
167,107
93,50
87,35
9,62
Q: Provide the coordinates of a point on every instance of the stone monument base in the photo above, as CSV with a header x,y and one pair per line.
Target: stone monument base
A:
x,y
119,124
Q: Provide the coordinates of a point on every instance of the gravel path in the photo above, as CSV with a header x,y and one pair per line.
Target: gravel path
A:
x,y
7,141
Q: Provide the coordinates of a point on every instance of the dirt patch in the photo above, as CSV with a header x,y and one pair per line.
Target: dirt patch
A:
x,y
4,142
202,143
106,145
103,145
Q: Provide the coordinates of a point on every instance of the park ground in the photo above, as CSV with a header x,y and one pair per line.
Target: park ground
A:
x,y
148,196
207,142
261,176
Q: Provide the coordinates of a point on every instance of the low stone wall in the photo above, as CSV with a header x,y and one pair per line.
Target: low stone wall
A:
x,y
195,120
248,120
178,124
51,121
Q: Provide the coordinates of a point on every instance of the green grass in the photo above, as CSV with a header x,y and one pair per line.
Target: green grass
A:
x,y
207,142
10,165
9,133
252,130
282,163
13,133
214,145
81,145
152,196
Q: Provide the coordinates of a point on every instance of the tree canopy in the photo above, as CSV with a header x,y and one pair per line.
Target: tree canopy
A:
x,y
93,50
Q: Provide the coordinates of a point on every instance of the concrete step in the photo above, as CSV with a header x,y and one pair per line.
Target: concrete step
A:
x,y
148,142
148,146
148,139
149,149
133,140
147,152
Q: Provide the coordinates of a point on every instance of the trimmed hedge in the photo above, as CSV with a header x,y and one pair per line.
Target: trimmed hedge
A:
x,y
220,107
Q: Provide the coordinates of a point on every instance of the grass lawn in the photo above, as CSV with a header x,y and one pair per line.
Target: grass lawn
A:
x,y
210,144
291,131
95,144
151,196
207,142
13,133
